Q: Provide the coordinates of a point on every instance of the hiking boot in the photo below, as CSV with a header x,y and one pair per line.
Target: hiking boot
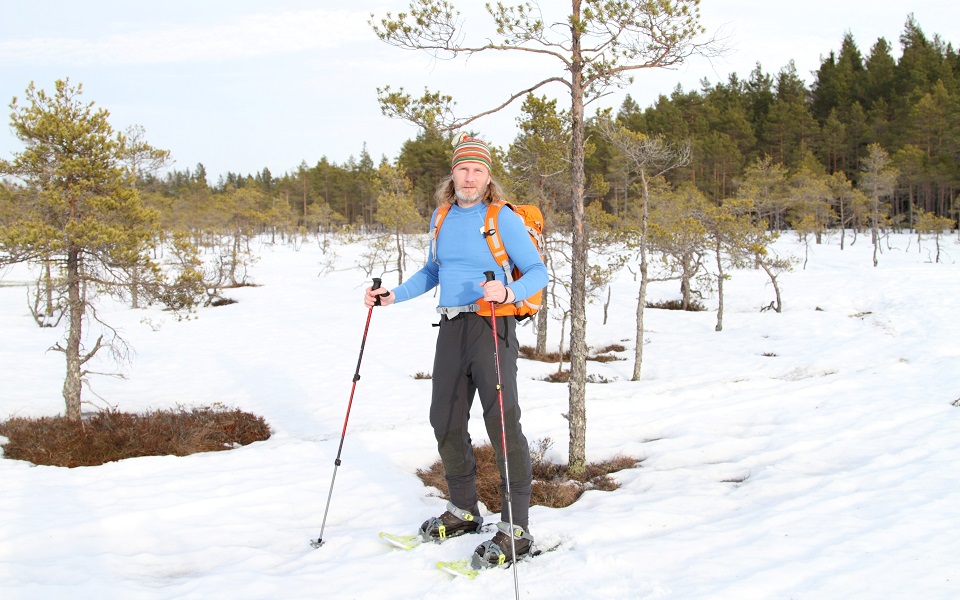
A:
x,y
450,524
499,550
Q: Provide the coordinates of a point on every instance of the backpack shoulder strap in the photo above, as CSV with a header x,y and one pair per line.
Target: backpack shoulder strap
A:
x,y
442,211
492,235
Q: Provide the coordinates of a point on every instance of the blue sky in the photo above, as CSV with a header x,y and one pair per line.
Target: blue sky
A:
x,y
240,85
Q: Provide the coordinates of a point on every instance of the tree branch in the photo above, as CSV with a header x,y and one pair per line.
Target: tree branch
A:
x,y
435,112
96,347
513,98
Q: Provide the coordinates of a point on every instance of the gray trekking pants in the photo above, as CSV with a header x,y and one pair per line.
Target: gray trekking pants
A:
x,y
464,365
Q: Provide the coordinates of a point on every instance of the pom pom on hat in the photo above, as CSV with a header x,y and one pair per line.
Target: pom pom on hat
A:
x,y
468,149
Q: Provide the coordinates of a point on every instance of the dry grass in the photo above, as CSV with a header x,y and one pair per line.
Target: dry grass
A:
x,y
563,376
612,348
604,354
552,486
110,435
693,306
530,353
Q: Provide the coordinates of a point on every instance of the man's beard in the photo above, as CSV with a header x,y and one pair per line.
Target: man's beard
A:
x,y
463,196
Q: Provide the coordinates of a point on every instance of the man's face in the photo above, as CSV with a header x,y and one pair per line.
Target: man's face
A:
x,y
470,180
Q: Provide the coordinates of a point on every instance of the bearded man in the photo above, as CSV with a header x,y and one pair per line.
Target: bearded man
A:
x,y
465,361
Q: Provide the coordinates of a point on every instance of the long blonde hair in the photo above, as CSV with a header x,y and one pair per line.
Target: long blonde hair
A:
x,y
447,194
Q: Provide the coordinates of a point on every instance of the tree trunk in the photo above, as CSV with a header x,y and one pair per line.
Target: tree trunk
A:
x,y
398,235
641,305
563,334
234,257
776,287
578,322
642,299
606,305
719,326
48,281
686,289
71,383
135,288
542,322
910,204
843,226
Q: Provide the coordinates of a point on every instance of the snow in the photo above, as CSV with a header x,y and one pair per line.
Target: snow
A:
x,y
809,454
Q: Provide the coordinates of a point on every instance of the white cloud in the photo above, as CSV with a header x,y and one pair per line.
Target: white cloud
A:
x,y
249,36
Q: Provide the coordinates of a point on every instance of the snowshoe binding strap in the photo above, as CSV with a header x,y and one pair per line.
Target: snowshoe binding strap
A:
x,y
455,521
499,551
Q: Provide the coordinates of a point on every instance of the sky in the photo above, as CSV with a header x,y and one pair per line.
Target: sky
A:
x,y
811,454
240,85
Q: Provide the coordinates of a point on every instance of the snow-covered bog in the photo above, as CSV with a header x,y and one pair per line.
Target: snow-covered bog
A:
x,y
809,454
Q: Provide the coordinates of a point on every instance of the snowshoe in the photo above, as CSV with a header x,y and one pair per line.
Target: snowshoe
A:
x,y
452,523
499,550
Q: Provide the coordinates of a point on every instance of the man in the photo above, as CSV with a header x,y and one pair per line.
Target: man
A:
x,y
465,359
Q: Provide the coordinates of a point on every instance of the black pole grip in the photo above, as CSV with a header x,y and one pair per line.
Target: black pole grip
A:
x,y
376,286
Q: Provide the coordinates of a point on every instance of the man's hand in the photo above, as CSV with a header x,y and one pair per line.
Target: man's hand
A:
x,y
370,297
495,291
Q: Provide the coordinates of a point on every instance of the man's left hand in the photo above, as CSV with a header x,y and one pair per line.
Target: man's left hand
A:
x,y
495,291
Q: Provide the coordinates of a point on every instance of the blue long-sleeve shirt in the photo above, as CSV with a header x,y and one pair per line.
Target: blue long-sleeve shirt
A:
x,y
463,256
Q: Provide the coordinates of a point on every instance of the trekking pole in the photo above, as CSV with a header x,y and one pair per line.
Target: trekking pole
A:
x,y
503,436
356,377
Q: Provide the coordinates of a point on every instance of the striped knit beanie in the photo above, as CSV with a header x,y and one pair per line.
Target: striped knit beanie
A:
x,y
468,149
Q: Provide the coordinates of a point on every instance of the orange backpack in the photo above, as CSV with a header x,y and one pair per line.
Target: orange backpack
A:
x,y
533,219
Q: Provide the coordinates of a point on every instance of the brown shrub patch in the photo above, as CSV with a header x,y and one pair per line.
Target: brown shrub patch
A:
x,y
612,348
530,353
598,354
693,306
552,485
110,435
558,377
564,377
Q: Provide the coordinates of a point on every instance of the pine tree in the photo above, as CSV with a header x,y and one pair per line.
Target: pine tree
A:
x,y
878,180
649,157
538,167
81,212
399,217
425,160
879,72
599,45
